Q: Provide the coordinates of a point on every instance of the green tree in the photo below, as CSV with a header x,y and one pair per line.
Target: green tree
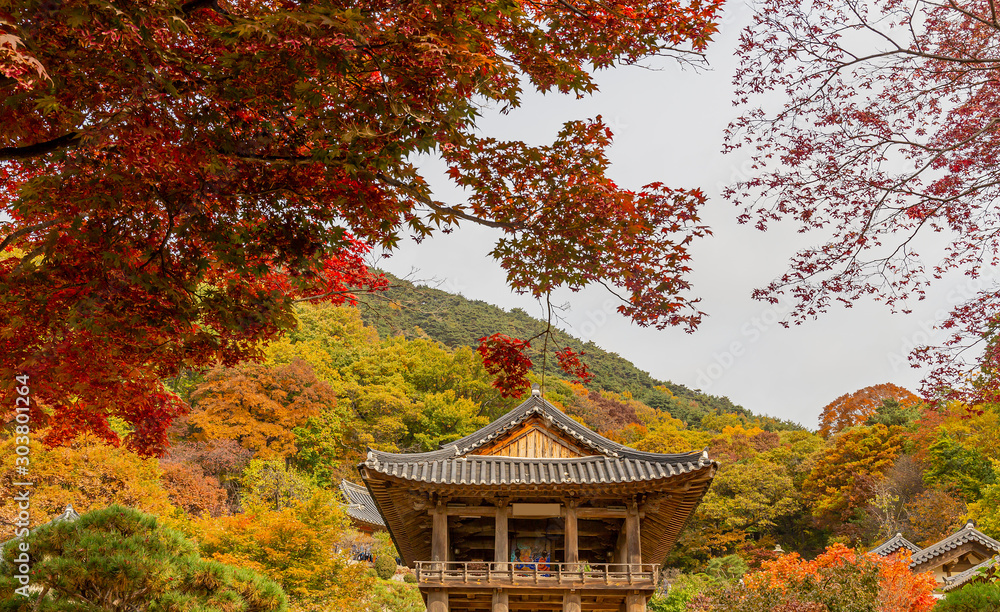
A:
x,y
680,593
273,485
892,412
727,569
750,496
958,467
325,449
978,597
121,560
986,511
443,417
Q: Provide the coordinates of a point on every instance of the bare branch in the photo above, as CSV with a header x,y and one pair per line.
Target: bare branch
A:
x,y
26,230
442,208
41,148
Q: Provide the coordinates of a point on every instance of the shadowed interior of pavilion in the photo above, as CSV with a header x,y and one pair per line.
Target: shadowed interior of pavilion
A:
x,y
536,512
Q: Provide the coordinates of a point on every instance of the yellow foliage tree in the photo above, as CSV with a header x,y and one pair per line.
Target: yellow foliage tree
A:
x,y
833,488
88,473
297,547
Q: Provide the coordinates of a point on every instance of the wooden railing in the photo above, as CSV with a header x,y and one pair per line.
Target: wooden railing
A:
x,y
544,575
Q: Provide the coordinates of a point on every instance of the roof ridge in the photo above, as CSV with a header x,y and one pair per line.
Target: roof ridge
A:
x,y
967,532
893,544
537,404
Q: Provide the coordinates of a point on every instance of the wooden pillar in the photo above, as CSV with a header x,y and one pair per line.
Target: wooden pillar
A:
x,y
437,600
501,546
439,534
635,602
632,542
572,539
500,601
571,602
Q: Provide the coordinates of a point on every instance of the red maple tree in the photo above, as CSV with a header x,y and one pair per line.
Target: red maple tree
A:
x,y
177,174
853,409
887,136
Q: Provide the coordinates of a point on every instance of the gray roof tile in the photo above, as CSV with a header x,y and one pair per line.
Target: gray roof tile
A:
x,y
894,544
360,505
454,462
963,536
501,471
950,584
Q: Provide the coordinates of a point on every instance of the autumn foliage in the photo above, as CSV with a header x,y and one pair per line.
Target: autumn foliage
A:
x,y
570,363
884,140
839,579
504,358
257,406
177,175
854,408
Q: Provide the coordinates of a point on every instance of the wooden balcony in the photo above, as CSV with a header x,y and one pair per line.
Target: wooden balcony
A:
x,y
482,574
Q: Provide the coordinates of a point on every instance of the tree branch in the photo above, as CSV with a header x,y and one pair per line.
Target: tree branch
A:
x,y
441,208
41,148
193,5
26,230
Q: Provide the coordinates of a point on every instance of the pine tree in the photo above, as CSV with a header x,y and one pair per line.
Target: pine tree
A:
x,y
119,559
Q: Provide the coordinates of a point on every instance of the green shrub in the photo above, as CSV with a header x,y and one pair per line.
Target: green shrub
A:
x,y
385,566
971,598
681,592
409,578
727,569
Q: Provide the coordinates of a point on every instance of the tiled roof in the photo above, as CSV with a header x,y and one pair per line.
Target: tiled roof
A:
x,y
521,471
950,584
894,544
456,464
672,485
360,505
532,406
963,536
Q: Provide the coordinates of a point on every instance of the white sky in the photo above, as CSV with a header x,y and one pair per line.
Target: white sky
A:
x,y
668,126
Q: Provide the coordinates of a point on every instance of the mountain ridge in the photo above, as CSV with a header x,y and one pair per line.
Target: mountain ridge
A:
x,y
415,310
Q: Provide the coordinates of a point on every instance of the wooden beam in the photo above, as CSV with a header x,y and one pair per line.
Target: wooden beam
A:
x,y
439,534
635,602
437,601
604,513
597,513
471,511
571,602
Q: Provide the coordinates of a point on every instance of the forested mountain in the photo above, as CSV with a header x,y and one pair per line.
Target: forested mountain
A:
x,y
253,468
416,311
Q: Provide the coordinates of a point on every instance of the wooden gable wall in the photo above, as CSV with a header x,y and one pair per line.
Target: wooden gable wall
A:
x,y
535,440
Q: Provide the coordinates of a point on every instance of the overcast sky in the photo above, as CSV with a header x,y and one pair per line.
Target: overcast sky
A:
x,y
668,126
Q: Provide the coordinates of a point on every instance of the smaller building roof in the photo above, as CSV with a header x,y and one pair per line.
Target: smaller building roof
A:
x,y
360,505
965,535
956,581
893,545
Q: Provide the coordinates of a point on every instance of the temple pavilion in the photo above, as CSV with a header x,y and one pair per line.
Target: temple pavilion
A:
x,y
536,512
948,559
